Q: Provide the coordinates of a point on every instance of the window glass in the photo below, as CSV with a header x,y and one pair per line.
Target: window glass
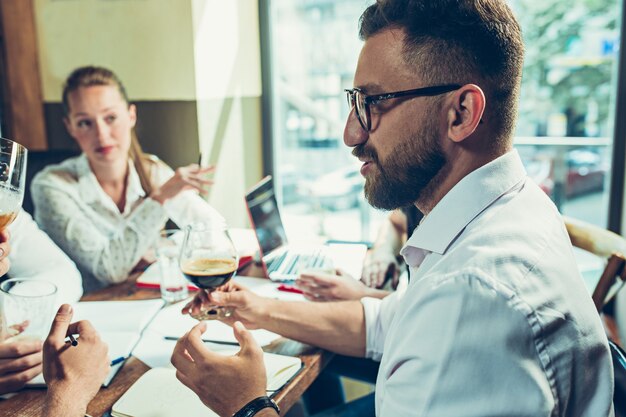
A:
x,y
564,130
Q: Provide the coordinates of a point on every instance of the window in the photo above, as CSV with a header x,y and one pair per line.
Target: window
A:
x,y
564,131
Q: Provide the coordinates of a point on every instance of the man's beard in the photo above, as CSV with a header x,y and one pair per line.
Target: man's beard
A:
x,y
405,174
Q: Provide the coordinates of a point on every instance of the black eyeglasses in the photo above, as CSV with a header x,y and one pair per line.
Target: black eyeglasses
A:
x,y
361,102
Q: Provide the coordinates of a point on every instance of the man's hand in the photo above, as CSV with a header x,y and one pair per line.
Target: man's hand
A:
x,y
378,266
223,383
20,361
247,307
319,286
5,248
73,374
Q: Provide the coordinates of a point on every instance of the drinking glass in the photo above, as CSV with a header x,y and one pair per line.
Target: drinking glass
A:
x,y
27,308
12,180
167,249
208,259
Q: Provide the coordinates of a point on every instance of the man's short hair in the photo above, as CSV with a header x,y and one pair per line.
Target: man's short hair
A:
x,y
460,42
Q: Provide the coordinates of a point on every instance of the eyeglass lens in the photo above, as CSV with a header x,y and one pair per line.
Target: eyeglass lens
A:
x,y
357,100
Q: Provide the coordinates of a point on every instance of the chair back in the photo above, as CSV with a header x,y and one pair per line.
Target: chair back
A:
x,y
605,244
38,160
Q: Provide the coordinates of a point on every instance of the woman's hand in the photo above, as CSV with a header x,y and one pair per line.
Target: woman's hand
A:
x,y
191,177
320,286
379,265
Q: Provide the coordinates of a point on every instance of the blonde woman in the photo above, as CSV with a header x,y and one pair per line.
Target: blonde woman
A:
x,y
105,207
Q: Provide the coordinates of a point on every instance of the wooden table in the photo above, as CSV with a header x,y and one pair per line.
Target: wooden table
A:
x,y
29,402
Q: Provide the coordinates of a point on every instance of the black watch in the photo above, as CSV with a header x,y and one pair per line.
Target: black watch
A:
x,y
255,406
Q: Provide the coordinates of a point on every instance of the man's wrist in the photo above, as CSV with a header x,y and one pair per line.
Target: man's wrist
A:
x,y
259,407
376,293
267,412
265,315
62,403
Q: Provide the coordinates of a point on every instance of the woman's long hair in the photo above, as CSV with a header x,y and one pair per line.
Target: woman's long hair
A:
x,y
92,76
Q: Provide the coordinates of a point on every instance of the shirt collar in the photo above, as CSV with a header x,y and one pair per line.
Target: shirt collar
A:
x,y
455,210
90,190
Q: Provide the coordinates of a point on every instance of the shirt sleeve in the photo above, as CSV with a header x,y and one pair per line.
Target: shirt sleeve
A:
x,y
378,316
110,255
50,262
462,340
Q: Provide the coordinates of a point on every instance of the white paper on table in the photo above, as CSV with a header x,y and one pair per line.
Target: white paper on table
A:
x,y
155,351
119,324
171,322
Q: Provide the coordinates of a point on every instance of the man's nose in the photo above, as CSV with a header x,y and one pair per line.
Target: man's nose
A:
x,y
354,134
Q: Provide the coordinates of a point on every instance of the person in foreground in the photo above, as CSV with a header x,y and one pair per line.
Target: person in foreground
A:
x,y
20,359
106,207
496,319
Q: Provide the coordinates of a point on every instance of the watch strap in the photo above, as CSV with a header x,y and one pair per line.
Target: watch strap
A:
x,y
255,406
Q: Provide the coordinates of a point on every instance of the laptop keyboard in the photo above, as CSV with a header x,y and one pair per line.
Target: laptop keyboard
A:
x,y
289,264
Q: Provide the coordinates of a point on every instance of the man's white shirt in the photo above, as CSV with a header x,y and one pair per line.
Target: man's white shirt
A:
x,y
496,320
35,256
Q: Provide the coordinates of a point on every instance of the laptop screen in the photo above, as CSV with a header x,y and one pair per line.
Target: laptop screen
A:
x,y
265,216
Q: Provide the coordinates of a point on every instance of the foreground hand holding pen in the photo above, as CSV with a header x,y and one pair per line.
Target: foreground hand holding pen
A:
x,y
73,373
226,384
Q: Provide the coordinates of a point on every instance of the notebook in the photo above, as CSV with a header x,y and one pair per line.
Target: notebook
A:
x,y
168,397
119,323
282,261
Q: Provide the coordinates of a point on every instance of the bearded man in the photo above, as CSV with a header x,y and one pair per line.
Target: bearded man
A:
x,y
496,320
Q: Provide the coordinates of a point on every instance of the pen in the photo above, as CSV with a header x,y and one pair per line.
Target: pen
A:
x,y
219,342
73,341
117,360
200,160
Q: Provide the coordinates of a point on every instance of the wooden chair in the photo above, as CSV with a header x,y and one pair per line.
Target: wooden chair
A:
x,y
605,244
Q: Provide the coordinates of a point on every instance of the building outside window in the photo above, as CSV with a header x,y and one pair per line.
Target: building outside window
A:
x,y
564,131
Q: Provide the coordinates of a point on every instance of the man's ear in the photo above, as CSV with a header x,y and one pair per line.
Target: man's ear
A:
x,y
465,112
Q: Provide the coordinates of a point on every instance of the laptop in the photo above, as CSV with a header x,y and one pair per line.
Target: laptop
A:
x,y
284,262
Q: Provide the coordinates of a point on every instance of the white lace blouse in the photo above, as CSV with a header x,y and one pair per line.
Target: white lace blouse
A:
x,y
72,207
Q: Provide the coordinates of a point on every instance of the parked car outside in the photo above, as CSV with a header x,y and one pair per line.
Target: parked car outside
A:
x,y
585,172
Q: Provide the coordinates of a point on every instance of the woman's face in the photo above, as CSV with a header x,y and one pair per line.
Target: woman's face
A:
x,y
100,121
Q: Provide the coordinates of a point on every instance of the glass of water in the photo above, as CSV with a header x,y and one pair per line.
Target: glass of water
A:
x,y
27,308
167,249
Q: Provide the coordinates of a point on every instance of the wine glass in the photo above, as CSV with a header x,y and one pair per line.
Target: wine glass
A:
x,y
12,180
208,259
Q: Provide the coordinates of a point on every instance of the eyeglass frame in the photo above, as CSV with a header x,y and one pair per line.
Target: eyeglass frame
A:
x,y
416,92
